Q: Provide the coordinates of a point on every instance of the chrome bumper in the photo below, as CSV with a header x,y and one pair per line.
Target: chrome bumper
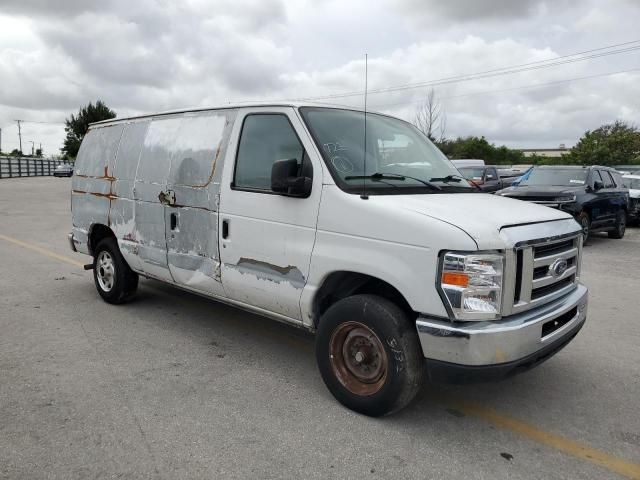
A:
x,y
514,338
72,242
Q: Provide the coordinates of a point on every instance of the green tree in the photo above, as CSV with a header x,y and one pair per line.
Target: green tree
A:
x,y
615,143
76,126
480,148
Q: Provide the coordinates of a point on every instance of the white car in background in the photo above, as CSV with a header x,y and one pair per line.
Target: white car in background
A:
x,y
632,182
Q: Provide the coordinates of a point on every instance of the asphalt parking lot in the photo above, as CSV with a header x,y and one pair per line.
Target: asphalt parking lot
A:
x,y
173,385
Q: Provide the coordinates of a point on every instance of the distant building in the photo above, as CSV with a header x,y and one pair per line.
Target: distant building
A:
x,y
545,152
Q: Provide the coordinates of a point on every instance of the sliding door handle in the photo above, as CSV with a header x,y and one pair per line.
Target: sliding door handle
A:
x,y
225,229
174,221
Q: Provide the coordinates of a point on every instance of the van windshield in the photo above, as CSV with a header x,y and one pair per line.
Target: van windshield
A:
x,y
399,158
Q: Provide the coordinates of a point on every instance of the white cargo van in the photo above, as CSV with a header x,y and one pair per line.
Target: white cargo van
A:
x,y
372,241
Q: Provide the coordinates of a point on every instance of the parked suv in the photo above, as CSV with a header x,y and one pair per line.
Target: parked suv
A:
x,y
632,182
401,268
595,196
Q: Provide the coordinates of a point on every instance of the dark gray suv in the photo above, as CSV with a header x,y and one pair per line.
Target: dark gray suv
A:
x,y
595,195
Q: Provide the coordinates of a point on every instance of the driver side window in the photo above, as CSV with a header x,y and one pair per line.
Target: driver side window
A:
x,y
265,138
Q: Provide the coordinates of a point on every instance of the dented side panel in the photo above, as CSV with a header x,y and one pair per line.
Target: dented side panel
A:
x,y
192,233
92,185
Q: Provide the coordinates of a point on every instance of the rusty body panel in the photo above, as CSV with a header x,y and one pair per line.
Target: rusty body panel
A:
x,y
125,173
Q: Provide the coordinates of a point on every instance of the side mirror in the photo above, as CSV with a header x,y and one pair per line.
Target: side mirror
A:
x,y
598,185
286,180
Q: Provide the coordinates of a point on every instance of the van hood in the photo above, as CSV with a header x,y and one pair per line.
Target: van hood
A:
x,y
480,215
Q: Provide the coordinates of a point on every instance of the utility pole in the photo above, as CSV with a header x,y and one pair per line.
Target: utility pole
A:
x,y
32,147
19,134
0,140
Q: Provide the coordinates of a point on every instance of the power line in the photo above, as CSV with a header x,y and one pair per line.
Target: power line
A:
x,y
538,62
562,60
46,123
522,87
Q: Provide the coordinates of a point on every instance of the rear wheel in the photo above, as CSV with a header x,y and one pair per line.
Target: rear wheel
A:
x,y
585,223
621,225
114,280
369,355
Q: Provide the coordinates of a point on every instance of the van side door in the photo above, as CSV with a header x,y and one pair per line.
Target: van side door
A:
x,y
194,182
151,194
267,238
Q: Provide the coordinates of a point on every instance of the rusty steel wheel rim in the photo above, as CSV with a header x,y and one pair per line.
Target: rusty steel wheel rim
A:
x,y
358,358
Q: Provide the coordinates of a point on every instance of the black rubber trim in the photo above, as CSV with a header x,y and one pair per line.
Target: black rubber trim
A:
x,y
453,373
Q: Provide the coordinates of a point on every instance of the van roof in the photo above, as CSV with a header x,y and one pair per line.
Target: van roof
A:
x,y
295,104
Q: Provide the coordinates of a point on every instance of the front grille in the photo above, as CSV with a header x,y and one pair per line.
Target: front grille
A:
x,y
544,271
548,289
552,249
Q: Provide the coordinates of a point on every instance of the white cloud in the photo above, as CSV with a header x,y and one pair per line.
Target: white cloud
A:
x,y
149,56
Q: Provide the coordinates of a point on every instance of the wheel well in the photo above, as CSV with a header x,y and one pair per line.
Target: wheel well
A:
x,y
339,285
98,233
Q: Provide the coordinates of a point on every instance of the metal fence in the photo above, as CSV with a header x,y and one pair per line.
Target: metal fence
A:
x,y
27,167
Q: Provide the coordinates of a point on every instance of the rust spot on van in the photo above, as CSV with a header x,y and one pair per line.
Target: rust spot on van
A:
x,y
213,171
109,195
106,175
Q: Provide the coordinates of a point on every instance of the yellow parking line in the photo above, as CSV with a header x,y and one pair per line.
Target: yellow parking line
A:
x,y
41,250
597,457
569,447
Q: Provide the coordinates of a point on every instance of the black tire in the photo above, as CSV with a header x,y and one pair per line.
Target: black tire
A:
x,y
114,280
585,222
621,225
399,352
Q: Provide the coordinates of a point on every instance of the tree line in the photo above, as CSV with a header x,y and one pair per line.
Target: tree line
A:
x,y
616,143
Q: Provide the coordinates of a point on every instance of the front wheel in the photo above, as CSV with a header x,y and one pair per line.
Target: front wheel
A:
x,y
621,225
114,279
369,355
585,223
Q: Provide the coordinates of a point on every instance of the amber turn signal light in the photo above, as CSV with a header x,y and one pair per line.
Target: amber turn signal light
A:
x,y
457,279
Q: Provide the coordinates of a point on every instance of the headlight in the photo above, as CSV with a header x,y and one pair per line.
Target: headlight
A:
x,y
472,284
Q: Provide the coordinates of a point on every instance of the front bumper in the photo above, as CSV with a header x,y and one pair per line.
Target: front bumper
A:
x,y
469,351
72,242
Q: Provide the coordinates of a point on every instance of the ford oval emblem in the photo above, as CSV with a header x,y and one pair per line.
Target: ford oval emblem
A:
x,y
557,268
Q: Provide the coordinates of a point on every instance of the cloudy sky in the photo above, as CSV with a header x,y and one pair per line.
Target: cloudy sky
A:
x,y
153,55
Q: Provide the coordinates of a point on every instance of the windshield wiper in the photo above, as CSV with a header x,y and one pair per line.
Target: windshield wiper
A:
x,y
392,176
448,179
456,179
